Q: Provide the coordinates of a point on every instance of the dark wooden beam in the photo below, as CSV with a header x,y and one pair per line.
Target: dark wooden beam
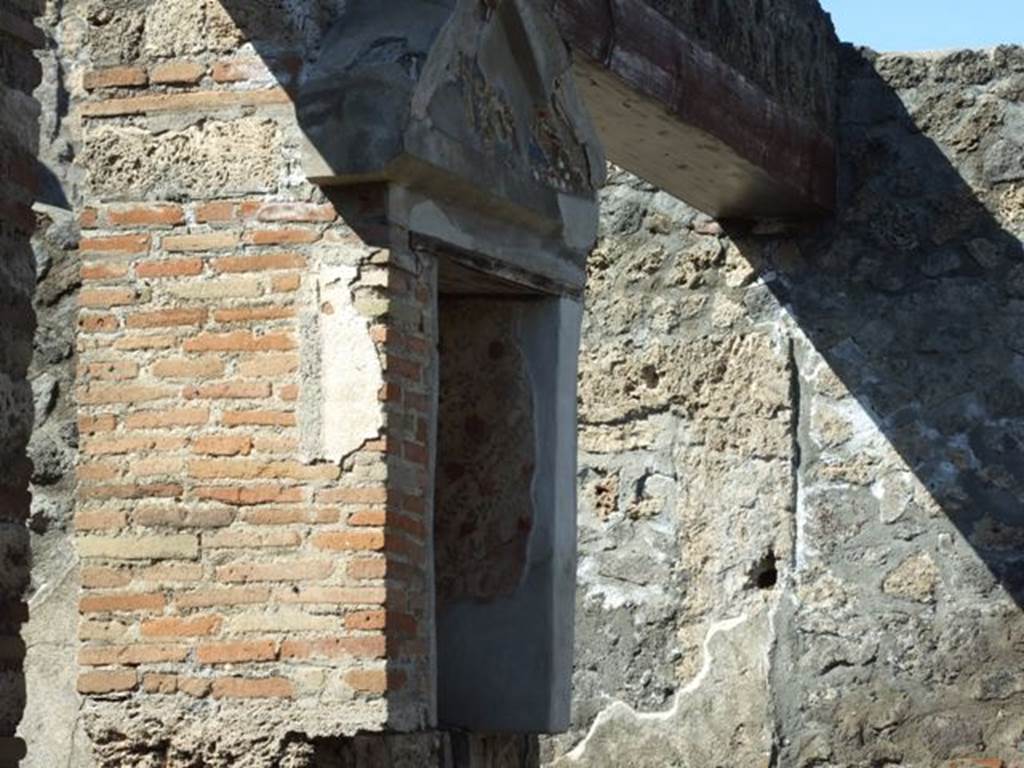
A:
x,y
675,114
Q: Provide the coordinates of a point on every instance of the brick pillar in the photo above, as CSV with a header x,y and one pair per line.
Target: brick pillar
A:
x,y
19,113
254,388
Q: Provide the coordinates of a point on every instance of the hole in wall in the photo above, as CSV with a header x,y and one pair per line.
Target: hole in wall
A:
x,y
764,574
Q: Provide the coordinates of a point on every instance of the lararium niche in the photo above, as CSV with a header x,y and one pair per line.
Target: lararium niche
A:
x,y
453,139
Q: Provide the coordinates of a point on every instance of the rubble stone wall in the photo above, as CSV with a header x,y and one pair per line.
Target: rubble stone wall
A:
x,y
801,453
19,137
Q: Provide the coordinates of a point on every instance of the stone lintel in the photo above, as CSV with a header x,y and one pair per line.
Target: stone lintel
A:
x,y
675,114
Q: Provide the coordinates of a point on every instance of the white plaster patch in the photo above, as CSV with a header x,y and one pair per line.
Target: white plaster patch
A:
x,y
351,375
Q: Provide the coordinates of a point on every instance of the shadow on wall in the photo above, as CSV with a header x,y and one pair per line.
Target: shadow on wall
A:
x,y
19,75
914,296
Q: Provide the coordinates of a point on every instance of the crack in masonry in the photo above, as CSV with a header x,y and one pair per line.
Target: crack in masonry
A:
x,y
638,415
796,466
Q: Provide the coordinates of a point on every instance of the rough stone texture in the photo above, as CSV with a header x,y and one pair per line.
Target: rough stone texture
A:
x,y
209,159
51,633
800,468
19,141
803,450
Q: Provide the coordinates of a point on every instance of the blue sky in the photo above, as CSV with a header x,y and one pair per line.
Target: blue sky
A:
x,y
920,25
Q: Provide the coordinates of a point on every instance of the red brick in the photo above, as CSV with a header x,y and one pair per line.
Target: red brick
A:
x,y
223,445
373,647
194,686
252,539
131,491
366,568
129,244
114,77
92,323
249,495
160,684
259,262
112,370
208,241
240,341
132,341
177,73
282,236
182,517
166,318
208,598
171,626
171,417
169,268
269,365
184,102
264,418
285,283
350,540
113,681
237,652
122,601
372,517
228,390
131,655
154,215
379,619
239,70
107,297
98,520
102,394
102,270
375,680
249,314
88,425
368,495
404,369
88,218
280,570
250,688
333,595
188,368
104,577
273,516
217,212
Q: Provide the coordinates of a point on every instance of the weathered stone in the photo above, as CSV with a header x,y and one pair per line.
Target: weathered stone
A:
x,y
915,579
213,159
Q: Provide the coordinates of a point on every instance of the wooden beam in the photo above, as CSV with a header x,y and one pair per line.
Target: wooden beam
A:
x,y
675,114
